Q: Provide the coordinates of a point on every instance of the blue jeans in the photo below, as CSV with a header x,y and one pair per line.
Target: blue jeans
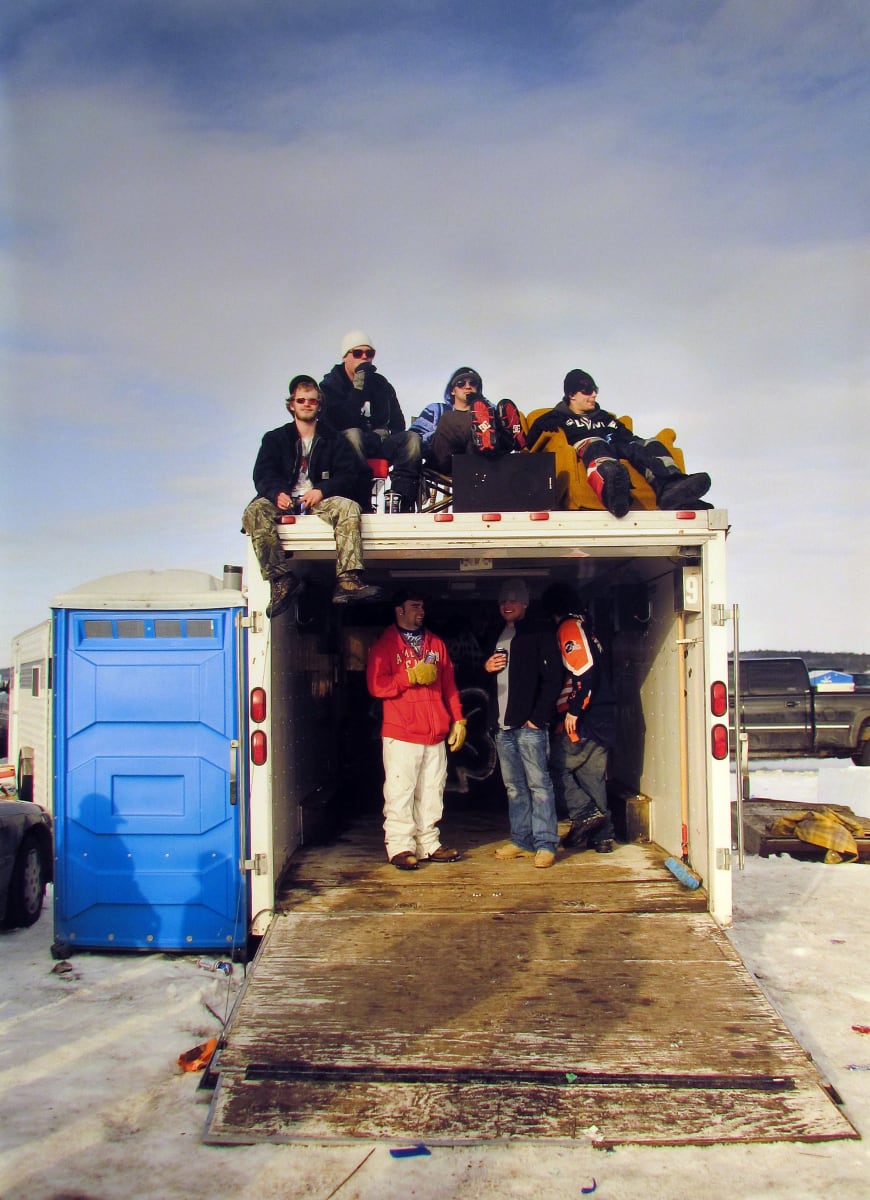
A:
x,y
522,756
581,770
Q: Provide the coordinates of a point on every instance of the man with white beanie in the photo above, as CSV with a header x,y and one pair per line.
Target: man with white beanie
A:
x,y
363,406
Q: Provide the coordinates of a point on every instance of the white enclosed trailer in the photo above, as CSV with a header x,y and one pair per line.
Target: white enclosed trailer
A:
x,y
30,684
655,582
484,1000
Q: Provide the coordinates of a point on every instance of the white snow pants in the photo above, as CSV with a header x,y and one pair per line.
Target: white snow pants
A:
x,y
414,778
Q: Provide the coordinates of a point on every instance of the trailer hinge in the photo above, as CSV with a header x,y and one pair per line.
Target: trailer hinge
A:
x,y
723,858
259,864
254,622
718,614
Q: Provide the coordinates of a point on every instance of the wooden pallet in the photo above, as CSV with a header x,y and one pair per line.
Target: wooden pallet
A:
x,y
760,813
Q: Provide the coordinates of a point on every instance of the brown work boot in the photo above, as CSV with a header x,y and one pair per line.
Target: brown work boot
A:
x,y
404,861
544,858
442,854
283,589
509,850
352,586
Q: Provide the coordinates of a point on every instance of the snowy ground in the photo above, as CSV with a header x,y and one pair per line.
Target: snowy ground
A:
x,y
93,1107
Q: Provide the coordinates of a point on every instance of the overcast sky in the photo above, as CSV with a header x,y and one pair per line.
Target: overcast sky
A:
x,y
199,199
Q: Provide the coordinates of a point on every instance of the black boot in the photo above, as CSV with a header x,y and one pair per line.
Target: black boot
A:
x,y
681,491
616,492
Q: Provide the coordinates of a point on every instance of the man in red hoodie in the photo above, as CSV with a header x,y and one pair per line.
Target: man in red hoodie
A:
x,y
410,670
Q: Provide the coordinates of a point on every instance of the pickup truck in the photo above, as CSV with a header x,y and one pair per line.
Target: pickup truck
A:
x,y
785,717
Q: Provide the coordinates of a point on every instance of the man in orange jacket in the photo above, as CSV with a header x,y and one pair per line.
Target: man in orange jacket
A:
x,y
410,670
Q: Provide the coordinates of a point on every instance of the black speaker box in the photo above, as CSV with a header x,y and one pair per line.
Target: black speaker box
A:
x,y
514,483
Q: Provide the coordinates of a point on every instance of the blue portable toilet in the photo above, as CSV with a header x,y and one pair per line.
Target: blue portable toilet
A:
x,y
149,833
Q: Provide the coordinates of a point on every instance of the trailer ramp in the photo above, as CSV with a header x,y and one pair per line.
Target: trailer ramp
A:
x,y
480,1000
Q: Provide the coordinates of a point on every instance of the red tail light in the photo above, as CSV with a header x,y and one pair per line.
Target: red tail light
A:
x,y
718,699
258,704
719,741
259,747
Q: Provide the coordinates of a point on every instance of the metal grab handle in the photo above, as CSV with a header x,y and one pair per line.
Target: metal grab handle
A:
x,y
234,771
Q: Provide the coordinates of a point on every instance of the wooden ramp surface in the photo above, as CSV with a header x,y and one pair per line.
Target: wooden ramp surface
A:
x,y
480,1000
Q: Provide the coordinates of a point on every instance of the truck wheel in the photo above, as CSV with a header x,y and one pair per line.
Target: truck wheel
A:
x,y
26,887
862,758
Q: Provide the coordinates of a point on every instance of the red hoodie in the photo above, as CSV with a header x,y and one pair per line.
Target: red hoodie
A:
x,y
413,713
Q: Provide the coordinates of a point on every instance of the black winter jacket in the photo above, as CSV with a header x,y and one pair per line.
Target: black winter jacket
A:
x,y
332,465
535,675
343,404
599,424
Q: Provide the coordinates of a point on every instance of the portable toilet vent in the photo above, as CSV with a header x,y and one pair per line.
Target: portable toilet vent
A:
x,y
149,833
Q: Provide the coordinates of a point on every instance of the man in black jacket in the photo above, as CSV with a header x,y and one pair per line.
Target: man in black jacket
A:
x,y
304,466
600,440
363,406
585,729
526,669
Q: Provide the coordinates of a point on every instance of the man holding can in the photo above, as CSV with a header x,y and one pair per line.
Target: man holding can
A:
x,y
410,670
525,667
304,466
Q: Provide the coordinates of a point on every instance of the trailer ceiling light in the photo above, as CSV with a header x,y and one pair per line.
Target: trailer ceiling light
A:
x,y
688,515
286,519
490,516
719,742
440,517
539,516
258,705
259,747
718,698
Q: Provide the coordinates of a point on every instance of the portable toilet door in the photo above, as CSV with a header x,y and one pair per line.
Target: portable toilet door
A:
x,y
149,833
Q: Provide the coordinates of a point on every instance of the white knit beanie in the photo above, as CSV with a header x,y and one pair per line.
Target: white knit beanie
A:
x,y
355,338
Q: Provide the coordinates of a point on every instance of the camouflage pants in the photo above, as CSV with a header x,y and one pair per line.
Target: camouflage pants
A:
x,y
260,521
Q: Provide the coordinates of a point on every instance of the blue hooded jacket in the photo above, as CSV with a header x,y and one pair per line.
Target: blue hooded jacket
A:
x,y
427,422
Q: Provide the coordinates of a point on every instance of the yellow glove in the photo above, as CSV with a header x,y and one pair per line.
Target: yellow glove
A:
x,y
422,673
425,673
456,738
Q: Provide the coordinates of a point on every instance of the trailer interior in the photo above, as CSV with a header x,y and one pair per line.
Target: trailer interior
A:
x,y
480,1000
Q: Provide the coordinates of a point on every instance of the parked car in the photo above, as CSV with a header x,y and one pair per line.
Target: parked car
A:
x,y
26,858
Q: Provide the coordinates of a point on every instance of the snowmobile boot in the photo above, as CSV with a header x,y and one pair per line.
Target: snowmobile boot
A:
x,y
512,425
484,431
681,491
616,489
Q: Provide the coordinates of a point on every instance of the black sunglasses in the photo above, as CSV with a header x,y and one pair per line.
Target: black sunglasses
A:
x,y
363,353
587,391
467,381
